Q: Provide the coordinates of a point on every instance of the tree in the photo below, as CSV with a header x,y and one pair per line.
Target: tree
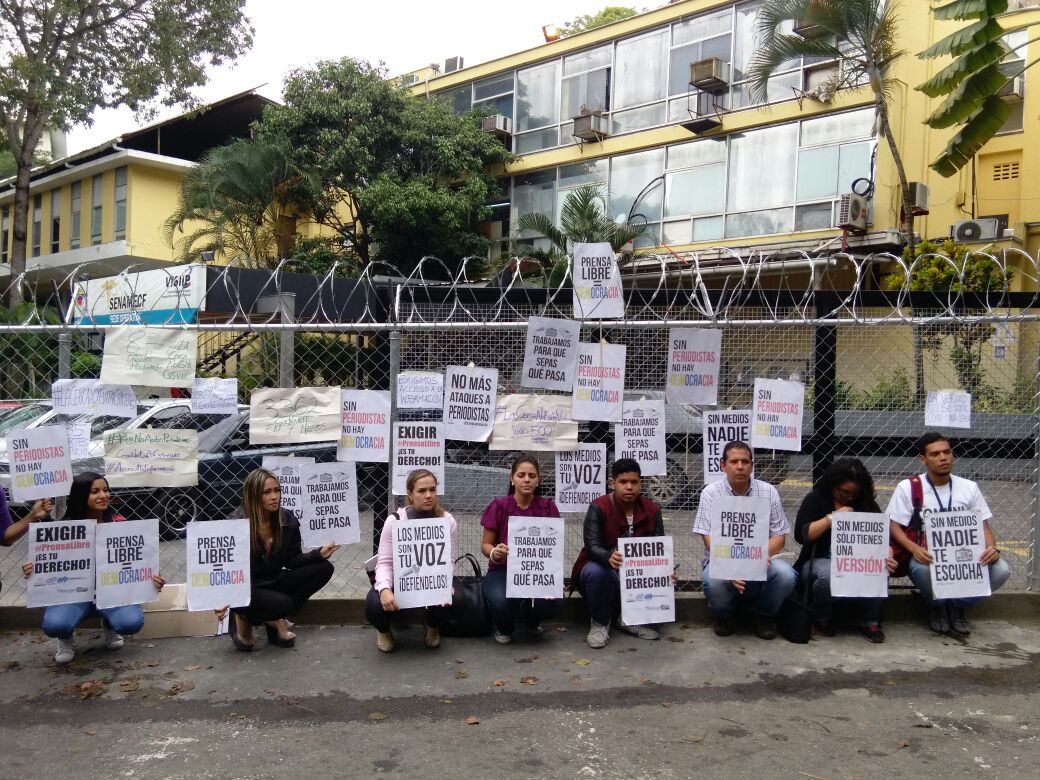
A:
x,y
610,14
62,60
860,35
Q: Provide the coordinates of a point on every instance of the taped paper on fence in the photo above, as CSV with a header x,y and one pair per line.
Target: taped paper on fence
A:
x,y
469,403
330,505
215,396
739,538
423,566
581,477
420,390
79,439
597,283
62,556
126,559
956,541
641,436
39,462
89,396
720,428
647,591
534,568
144,457
599,387
139,355
218,564
534,422
550,354
294,415
694,355
417,445
776,410
365,426
859,553
947,409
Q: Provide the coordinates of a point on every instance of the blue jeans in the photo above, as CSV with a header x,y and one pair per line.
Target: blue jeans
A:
x,y
505,612
600,586
61,620
765,598
818,570
999,572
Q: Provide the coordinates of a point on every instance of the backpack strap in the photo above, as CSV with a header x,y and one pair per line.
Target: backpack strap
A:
x,y
916,501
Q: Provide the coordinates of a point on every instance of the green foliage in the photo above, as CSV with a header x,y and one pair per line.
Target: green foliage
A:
x,y
30,359
893,392
318,254
585,22
85,365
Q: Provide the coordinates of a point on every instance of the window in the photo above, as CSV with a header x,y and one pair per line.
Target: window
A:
x,y
633,190
1011,66
74,224
95,209
535,193
120,202
537,105
37,224
5,229
55,219
700,38
495,93
458,98
586,83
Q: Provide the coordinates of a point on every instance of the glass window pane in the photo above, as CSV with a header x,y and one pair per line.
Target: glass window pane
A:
x,y
703,26
500,105
744,38
588,91
536,96
533,193
629,176
759,223
639,70
589,172
677,232
817,173
458,98
708,228
679,68
533,142
710,150
1015,122
561,198
849,126
638,118
779,88
586,60
771,150
814,217
853,163
697,191
496,85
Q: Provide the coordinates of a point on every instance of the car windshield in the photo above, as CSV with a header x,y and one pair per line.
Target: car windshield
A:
x,y
212,439
22,416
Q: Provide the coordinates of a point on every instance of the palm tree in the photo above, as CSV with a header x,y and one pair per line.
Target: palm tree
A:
x,y
860,35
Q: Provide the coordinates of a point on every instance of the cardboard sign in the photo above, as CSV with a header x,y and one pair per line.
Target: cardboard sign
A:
x,y
214,396
146,457
140,355
423,566
720,428
39,462
947,409
365,426
739,538
420,390
641,436
859,549
534,423
417,445
597,283
694,355
599,388
218,564
89,396
957,540
79,439
469,403
296,414
550,353
330,505
777,415
647,591
126,559
288,472
534,568
581,477
62,557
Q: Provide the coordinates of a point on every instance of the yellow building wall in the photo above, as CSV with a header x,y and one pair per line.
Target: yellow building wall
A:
x,y
151,199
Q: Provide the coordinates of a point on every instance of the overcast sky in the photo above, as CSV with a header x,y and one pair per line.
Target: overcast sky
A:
x,y
405,34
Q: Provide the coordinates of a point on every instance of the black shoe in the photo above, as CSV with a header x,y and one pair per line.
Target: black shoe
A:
x,y
937,618
958,623
236,640
277,641
723,625
873,633
765,627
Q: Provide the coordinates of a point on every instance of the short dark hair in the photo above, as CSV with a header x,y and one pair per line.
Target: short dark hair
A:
x,y
737,445
929,438
625,465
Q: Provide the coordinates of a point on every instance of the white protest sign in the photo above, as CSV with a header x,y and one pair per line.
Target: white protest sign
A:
x,y
417,446
274,462
139,355
534,568
777,415
469,402
534,423
647,592
214,396
641,436
599,387
739,538
330,505
423,566
694,355
597,283
581,477
956,541
79,439
62,557
89,396
947,409
550,352
144,457
420,390
287,471
720,428
859,550
218,564
365,426
126,559
295,414
39,462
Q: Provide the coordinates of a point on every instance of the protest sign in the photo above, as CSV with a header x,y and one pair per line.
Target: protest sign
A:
x,y
597,283
550,353
126,559
287,471
581,477
294,414
365,426
423,566
214,396
947,409
174,294
146,457
720,428
330,505
694,355
420,390
469,403
79,439
534,422
739,538
956,541
647,592
62,556
89,396
599,387
417,446
218,564
641,436
534,568
39,463
140,355
859,550
777,415
274,462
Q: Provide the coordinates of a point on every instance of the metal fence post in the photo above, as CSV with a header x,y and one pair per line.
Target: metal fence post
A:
x,y
395,367
64,356
1034,558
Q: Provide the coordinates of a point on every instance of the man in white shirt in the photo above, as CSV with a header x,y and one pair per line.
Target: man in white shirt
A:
x,y
942,492
724,596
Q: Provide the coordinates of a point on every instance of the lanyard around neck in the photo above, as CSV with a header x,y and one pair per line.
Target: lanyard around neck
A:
x,y
949,507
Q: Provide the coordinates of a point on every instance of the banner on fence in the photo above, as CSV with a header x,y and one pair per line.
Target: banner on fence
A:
x,y
295,414
777,415
175,295
218,564
365,426
647,590
859,551
534,568
581,477
140,355
146,457
599,387
597,283
39,463
641,436
89,396
720,428
420,390
534,423
693,366
550,354
330,505
417,445
127,557
469,403
62,556
214,396
947,409
956,541
423,566
739,538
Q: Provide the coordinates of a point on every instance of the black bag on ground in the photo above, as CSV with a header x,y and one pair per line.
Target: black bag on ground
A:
x,y
795,620
469,614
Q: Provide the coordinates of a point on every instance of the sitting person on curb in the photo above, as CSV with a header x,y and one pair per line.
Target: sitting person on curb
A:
x,y
724,596
623,512
380,603
524,499
941,491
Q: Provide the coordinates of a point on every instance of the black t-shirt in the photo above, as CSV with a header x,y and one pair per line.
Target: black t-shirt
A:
x,y
816,506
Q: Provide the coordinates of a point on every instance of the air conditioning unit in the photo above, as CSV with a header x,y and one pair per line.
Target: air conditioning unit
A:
x,y
852,212
918,198
452,64
1014,90
807,29
498,125
967,230
710,75
590,127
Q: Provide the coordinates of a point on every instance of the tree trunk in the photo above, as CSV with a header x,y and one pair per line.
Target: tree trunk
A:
x,y
904,185
23,154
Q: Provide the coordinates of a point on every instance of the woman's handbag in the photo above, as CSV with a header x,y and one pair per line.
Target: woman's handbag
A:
x,y
468,615
796,617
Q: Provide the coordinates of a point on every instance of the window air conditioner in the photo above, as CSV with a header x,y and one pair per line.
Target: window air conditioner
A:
x,y
710,75
452,64
968,230
498,125
807,29
852,212
918,198
590,127
1014,90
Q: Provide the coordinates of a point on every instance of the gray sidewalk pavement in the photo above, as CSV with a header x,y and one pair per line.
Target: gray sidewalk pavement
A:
x,y
690,705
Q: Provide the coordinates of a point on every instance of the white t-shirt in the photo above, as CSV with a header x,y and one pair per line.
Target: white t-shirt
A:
x,y
965,496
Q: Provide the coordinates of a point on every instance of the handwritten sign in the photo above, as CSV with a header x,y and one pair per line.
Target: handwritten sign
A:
x,y
89,396
581,477
739,538
720,428
417,446
647,592
956,541
947,409
214,396
534,423
777,415
550,354
859,549
79,439
152,458
218,564
420,390
694,355
126,559
597,283
599,387
330,505
139,355
641,436
422,562
62,557
365,426
469,405
534,568
296,414
39,462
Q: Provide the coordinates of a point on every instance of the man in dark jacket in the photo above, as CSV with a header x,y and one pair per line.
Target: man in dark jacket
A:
x,y
624,512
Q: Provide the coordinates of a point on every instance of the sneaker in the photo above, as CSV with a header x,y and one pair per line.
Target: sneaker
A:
x,y
938,620
643,632
723,625
385,641
765,627
113,640
66,651
958,623
598,635
503,639
873,633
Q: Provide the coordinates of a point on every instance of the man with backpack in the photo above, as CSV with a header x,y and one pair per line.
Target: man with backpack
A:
x,y
938,490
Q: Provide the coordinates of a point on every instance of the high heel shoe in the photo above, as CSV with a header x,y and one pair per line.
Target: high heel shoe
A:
x,y
236,640
274,639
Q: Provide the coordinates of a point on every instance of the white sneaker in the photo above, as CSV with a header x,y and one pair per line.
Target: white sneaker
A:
x,y
598,635
643,632
503,639
66,651
113,640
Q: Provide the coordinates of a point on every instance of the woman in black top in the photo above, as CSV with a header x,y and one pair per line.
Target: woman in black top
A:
x,y
845,487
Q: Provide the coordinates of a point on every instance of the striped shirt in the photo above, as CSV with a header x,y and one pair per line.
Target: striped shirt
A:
x,y
778,525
